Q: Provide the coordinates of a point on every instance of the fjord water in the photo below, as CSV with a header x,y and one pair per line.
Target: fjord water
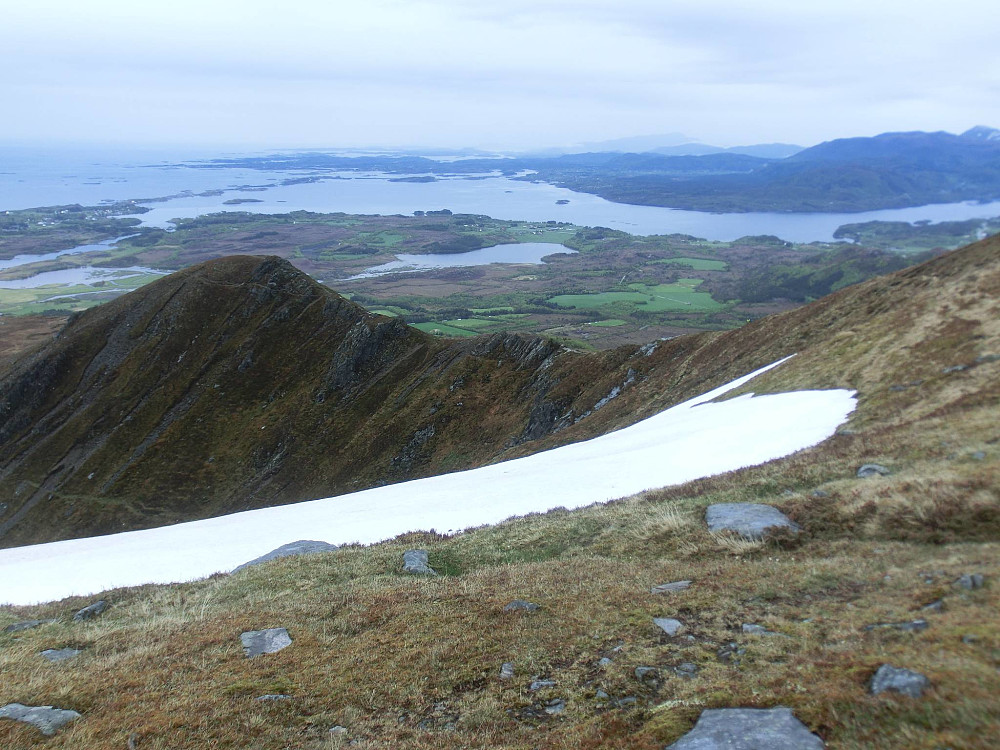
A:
x,y
30,178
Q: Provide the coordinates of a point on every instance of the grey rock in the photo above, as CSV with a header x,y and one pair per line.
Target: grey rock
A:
x,y
26,625
601,695
979,455
269,641
668,625
555,707
955,368
898,680
415,561
937,606
604,662
754,629
748,729
627,702
666,588
730,653
970,581
292,549
541,684
273,697
749,520
45,718
91,611
507,670
984,358
520,605
686,669
647,674
872,470
59,654
338,730
819,493
969,639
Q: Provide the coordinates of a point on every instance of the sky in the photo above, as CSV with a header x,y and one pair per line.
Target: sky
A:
x,y
504,75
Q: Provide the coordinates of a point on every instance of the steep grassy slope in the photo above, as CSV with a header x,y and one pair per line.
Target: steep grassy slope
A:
x,y
400,661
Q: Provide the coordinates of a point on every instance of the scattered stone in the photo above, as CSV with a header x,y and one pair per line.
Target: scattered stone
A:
x,y
819,493
730,653
601,695
979,456
898,680
668,625
871,470
969,639
748,729
541,684
647,674
686,670
970,581
269,641
666,588
91,611
507,670
45,718
555,707
984,358
520,605
338,730
914,626
415,561
627,701
955,368
59,654
604,662
292,549
753,629
937,606
273,697
749,520
26,625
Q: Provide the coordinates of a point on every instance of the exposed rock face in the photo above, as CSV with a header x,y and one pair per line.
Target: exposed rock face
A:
x,y
749,520
89,612
898,680
873,470
46,718
415,561
269,641
26,625
748,729
292,549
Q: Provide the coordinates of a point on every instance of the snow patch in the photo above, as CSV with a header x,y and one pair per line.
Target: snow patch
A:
x,y
688,441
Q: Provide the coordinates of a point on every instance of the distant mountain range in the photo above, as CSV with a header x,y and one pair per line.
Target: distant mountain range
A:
x,y
892,170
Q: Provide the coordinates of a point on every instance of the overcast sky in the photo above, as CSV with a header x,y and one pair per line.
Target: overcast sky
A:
x,y
507,74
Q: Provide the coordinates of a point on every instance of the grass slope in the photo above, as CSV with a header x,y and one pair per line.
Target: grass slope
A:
x,y
406,662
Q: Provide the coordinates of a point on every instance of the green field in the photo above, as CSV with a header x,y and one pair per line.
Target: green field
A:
x,y
698,264
681,296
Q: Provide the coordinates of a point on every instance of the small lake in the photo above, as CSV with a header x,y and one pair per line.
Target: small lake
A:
x,y
522,252
85,275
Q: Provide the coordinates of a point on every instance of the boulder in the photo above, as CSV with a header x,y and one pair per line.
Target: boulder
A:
x,y
666,588
668,625
898,680
970,581
507,670
292,549
91,611
26,625
59,654
873,470
269,641
748,729
415,561
45,718
749,520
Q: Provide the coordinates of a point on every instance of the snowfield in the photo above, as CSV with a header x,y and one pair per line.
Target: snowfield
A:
x,y
688,441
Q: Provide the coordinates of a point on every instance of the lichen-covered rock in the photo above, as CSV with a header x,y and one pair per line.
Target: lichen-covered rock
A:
x,y
668,625
667,588
415,561
91,611
970,581
873,470
45,718
749,520
269,641
898,680
292,549
748,729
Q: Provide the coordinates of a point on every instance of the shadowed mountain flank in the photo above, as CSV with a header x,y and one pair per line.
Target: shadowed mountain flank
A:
x,y
242,383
